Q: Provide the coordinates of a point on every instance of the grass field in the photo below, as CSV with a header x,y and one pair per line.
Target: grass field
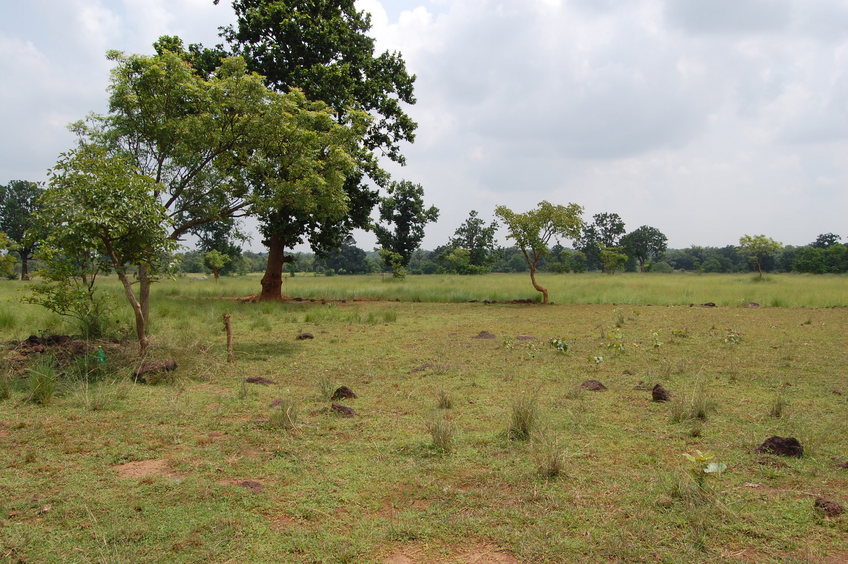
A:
x,y
203,468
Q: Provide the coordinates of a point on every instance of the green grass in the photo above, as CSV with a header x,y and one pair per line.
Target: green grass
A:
x,y
603,480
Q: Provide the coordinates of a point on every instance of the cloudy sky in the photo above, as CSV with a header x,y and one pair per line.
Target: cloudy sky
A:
x,y
707,120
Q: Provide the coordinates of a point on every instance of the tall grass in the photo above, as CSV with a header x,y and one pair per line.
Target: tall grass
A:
x,y
734,290
184,303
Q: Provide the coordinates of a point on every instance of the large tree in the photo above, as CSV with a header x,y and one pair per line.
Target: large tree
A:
x,y
405,215
221,146
18,201
322,47
645,244
532,231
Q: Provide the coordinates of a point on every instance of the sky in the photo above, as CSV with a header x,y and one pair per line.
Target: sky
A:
x,y
707,120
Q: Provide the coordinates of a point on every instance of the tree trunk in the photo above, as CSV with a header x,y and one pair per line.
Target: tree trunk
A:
x,y
536,284
24,267
272,281
140,318
144,283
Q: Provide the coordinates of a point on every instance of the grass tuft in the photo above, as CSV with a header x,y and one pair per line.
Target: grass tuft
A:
x,y
778,406
42,381
524,417
442,433
548,456
444,401
284,416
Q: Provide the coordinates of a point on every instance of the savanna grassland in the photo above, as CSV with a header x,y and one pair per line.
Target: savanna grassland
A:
x,y
462,449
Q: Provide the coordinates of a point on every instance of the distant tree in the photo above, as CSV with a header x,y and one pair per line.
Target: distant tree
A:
x,y
478,239
605,230
758,248
226,237
825,240
533,230
347,259
405,216
645,244
612,259
215,260
18,201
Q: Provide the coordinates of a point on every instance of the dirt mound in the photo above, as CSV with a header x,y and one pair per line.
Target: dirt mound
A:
x,y
782,446
343,410
828,507
658,393
483,335
593,386
343,392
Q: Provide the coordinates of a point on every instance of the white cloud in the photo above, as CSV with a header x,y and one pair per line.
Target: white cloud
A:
x,y
705,119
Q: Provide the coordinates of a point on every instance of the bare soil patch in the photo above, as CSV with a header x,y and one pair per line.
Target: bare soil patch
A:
x,y
145,468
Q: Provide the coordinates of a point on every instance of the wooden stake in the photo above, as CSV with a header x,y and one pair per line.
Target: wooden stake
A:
x,y
229,328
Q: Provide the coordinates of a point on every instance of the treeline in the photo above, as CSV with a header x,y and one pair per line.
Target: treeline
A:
x,y
825,255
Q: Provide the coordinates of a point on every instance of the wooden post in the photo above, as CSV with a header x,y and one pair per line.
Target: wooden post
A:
x,y
229,328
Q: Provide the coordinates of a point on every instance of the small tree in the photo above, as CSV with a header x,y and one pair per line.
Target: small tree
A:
x,y
403,208
758,248
100,213
533,230
215,260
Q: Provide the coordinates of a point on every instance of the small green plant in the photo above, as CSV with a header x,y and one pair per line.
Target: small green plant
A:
x,y
732,337
42,379
444,401
703,466
442,432
284,416
595,359
525,415
615,341
656,336
559,344
680,333
548,455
